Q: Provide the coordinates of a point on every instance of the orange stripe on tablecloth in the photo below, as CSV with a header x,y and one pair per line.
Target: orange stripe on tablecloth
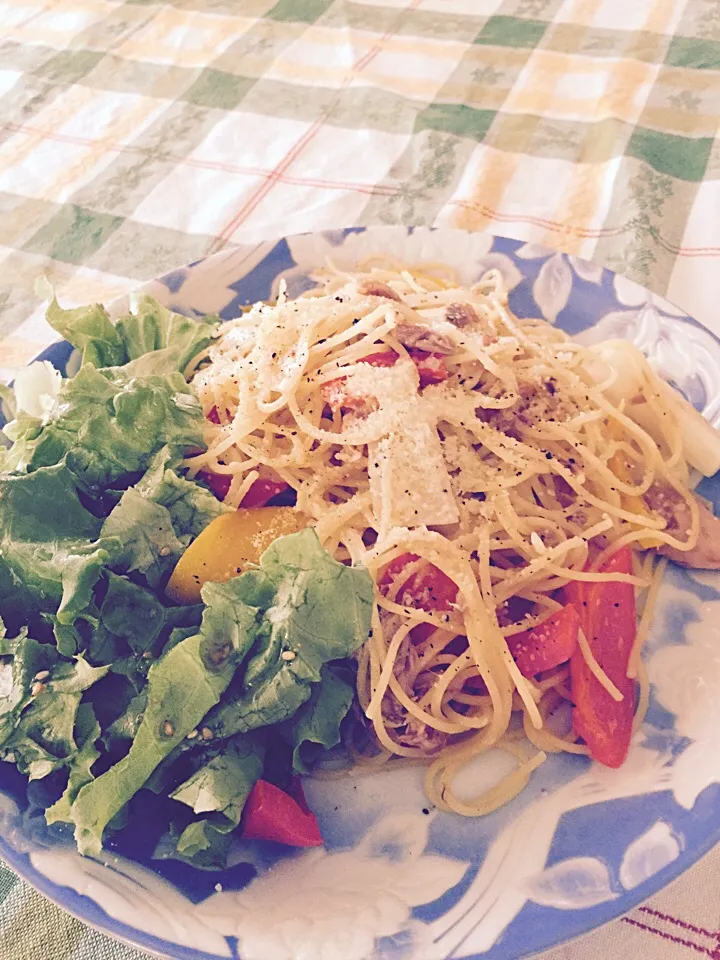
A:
x,y
582,200
534,92
300,146
660,16
63,110
587,232
157,36
494,173
582,11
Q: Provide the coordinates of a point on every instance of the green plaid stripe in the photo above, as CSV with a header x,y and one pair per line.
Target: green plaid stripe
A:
x,y
138,135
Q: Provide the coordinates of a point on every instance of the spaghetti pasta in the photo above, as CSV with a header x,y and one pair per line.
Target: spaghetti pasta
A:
x,y
476,465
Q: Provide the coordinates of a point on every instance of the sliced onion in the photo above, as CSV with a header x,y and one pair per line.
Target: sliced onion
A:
x,y
701,441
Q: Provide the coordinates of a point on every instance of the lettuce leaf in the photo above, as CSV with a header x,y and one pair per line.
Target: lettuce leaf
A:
x,y
75,677
223,784
201,844
8,404
172,339
165,341
91,331
130,620
122,731
316,725
145,530
191,506
133,627
86,734
42,738
182,686
319,611
218,788
23,659
107,429
157,518
50,560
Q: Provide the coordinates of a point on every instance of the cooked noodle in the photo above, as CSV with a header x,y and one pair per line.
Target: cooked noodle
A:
x,y
529,478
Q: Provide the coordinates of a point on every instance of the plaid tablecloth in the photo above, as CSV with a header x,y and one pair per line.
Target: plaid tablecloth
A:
x,y
135,136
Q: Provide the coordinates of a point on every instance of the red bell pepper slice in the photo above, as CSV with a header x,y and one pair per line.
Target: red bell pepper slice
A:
x,y
261,491
219,483
430,366
384,358
541,648
272,814
548,645
608,620
427,589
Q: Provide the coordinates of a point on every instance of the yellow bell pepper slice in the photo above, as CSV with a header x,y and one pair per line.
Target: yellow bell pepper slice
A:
x,y
228,546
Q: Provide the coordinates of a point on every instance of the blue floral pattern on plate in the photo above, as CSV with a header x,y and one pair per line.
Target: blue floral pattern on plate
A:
x,y
395,880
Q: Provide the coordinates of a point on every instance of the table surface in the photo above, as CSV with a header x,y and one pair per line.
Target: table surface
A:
x,y
136,136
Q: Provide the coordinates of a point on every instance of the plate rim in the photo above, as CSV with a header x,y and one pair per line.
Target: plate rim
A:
x,y
73,902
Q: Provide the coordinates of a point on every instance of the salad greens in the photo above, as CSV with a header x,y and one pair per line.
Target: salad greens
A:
x,y
299,589
316,725
166,341
107,427
106,684
50,557
182,686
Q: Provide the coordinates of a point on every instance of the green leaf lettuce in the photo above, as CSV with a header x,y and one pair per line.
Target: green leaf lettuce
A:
x,y
164,340
319,611
108,429
183,685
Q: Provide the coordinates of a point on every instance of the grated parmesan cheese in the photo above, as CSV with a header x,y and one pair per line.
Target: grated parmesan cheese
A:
x,y
409,480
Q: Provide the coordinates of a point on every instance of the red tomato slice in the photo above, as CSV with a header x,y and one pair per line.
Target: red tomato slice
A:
x,y
608,620
548,645
272,814
427,589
